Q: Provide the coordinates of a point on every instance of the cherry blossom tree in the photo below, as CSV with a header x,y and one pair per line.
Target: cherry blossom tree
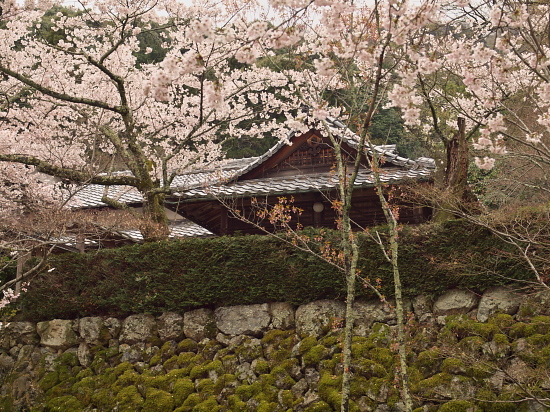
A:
x,y
464,64
345,58
82,111
487,63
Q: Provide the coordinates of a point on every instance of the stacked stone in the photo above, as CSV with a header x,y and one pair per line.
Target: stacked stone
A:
x,y
276,357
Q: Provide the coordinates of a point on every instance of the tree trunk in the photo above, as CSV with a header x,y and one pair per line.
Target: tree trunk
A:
x,y
154,225
400,314
351,253
456,173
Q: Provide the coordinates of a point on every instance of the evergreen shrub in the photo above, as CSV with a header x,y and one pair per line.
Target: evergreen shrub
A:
x,y
180,275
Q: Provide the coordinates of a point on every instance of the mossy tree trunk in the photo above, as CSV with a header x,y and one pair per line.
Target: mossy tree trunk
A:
x,y
391,213
350,255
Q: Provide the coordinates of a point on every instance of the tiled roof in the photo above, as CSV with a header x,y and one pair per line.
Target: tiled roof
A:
x,y
184,228
298,183
90,195
181,229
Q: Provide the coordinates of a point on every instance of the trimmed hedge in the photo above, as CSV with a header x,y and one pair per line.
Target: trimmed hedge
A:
x,y
185,274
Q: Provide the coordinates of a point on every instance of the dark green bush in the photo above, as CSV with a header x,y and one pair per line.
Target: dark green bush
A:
x,y
184,274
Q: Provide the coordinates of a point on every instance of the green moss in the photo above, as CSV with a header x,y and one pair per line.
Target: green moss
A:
x,y
6,404
427,386
383,356
289,364
162,381
230,363
157,400
129,399
49,381
209,349
275,336
458,406
107,378
501,339
306,344
281,378
65,372
103,399
314,355
502,321
538,339
84,389
380,335
369,369
360,349
155,359
225,381
320,406
538,325
235,404
518,330
129,377
329,390
329,365
99,363
286,398
67,359
358,386
480,370
453,366
377,389
209,405
205,387
176,374
196,366
171,363
245,392
215,366
446,337
268,379
182,389
462,326
278,355
260,367
268,392
192,400
198,372
486,399
63,388
66,403
122,367
187,345
186,358
247,351
330,341
415,376
85,373
472,345
266,406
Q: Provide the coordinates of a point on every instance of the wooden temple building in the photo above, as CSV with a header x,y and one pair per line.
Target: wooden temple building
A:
x,y
204,203
305,172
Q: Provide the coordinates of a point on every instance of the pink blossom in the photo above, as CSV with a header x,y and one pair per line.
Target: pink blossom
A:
x,y
487,163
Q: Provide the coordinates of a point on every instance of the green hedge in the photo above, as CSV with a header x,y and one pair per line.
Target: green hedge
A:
x,y
186,274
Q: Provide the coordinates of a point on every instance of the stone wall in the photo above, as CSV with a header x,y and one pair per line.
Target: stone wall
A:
x,y
467,353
